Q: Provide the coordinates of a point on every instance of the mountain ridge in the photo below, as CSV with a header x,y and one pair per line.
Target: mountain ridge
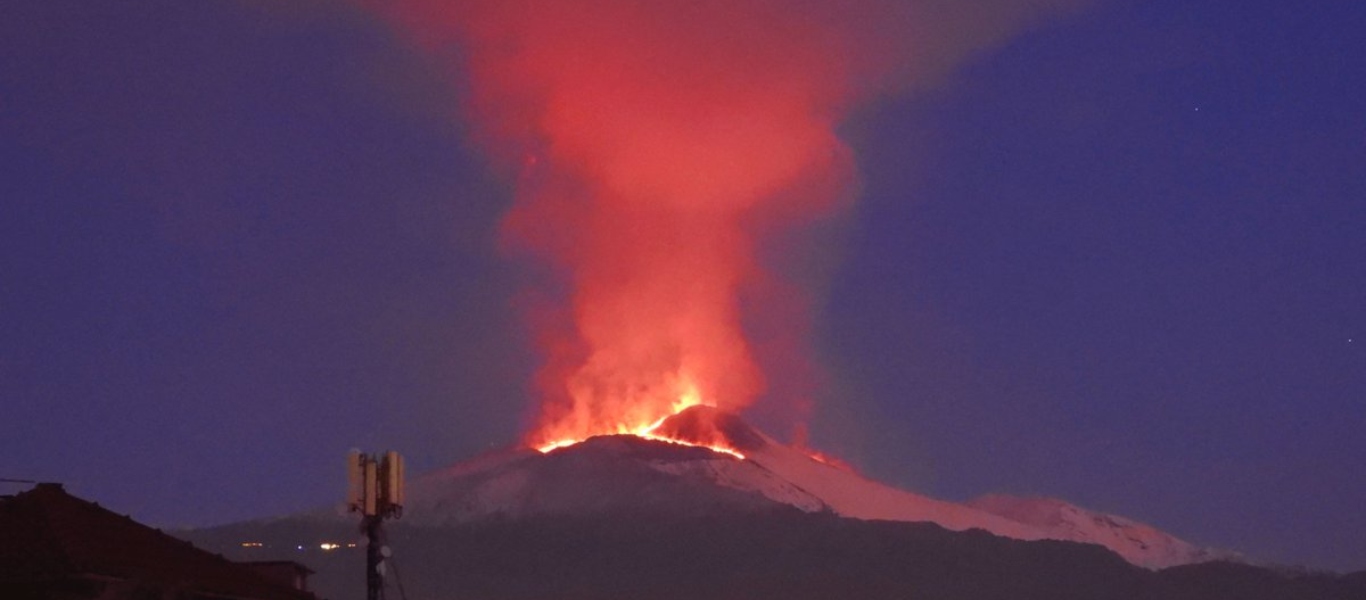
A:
x,y
626,472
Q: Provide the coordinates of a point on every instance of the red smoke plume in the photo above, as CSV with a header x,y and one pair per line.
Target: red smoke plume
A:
x,y
654,141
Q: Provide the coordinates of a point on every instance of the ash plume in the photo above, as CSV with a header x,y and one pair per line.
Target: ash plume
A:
x,y
655,146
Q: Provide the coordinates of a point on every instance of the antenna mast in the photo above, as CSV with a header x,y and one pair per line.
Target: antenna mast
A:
x,y
375,490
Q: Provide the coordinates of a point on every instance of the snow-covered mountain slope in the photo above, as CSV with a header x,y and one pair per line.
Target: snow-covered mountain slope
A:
x,y
621,474
603,474
1138,543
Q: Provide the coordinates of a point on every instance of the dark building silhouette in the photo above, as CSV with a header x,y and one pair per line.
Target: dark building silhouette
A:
x,y
287,572
55,546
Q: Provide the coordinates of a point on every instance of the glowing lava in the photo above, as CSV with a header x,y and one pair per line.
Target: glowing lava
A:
x,y
651,431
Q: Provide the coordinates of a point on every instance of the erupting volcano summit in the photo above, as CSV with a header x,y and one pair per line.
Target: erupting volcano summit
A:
x,y
692,425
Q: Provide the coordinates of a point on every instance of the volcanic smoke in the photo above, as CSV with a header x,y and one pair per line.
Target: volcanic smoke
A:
x,y
654,145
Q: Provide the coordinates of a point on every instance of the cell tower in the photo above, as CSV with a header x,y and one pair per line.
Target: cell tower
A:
x,y
375,490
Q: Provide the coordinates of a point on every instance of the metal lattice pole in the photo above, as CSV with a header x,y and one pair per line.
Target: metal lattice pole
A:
x,y
374,579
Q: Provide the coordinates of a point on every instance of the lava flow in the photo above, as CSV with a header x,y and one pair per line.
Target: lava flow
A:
x,y
666,429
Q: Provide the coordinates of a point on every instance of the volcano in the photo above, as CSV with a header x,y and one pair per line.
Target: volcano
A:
x,y
661,514
675,472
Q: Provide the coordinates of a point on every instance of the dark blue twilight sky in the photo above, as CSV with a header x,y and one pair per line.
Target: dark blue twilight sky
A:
x,y
1120,261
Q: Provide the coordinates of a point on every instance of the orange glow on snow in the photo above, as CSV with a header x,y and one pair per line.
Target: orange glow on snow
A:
x,y
826,459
